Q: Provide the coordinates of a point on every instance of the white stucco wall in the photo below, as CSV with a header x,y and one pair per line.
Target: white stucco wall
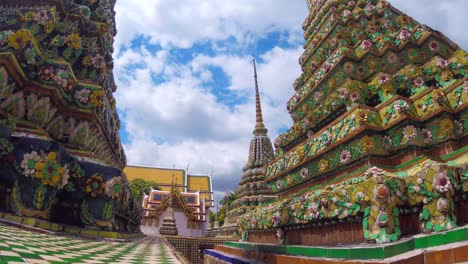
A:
x,y
181,223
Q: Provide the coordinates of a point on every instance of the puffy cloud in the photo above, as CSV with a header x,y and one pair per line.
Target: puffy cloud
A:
x,y
182,23
279,87
275,86
175,110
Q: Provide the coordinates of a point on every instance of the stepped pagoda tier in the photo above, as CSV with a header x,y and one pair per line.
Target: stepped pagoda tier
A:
x,y
378,149
252,190
61,158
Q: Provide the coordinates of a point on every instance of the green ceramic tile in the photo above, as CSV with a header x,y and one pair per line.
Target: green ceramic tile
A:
x,y
420,242
11,259
5,248
72,260
457,235
366,253
307,251
338,253
29,255
408,245
274,249
392,250
16,246
436,240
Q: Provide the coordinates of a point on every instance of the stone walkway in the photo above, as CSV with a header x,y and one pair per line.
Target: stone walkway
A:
x,y
22,246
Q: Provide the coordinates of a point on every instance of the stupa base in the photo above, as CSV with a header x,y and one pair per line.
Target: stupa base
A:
x,y
169,228
447,247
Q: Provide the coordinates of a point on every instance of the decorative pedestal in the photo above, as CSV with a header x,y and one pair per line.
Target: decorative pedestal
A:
x,y
169,227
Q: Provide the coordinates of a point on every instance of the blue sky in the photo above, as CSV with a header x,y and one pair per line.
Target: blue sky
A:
x,y
185,79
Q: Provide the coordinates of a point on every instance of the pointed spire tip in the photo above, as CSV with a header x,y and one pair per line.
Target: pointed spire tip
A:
x,y
259,126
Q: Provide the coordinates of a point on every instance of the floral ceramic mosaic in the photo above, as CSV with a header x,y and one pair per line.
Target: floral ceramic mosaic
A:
x,y
56,52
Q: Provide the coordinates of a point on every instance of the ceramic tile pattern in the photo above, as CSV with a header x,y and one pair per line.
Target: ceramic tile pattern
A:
x,y
22,246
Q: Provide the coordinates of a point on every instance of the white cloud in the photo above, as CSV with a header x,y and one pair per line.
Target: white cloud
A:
x,y
275,86
280,86
181,23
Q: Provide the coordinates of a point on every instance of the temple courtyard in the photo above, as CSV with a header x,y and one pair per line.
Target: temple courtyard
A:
x,y
23,246
360,154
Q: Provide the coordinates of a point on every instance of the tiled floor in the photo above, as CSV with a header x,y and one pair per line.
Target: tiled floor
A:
x,y
21,246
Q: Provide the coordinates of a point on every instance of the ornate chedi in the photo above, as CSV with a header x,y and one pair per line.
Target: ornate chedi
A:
x,y
60,156
252,190
378,149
